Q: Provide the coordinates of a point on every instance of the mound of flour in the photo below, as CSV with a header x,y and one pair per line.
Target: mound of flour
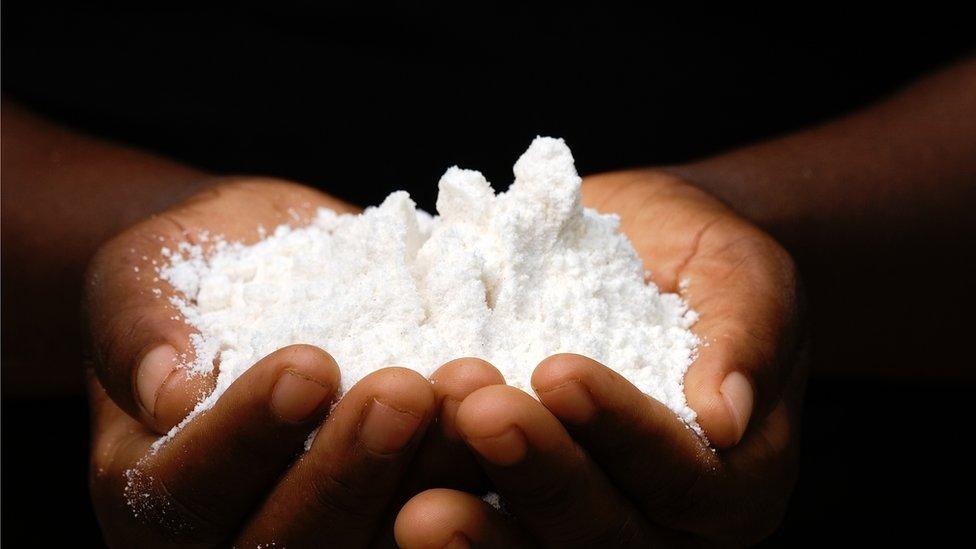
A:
x,y
511,278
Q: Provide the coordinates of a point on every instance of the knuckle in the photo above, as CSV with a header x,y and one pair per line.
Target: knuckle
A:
x,y
556,491
172,513
98,265
116,346
555,495
560,499
97,476
676,499
165,227
138,493
338,496
748,250
166,224
250,445
115,338
101,462
625,531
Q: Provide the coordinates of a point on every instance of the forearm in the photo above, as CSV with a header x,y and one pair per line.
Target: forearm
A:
x,y
63,194
905,167
875,207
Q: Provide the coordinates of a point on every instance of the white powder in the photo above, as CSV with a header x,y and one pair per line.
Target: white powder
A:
x,y
511,278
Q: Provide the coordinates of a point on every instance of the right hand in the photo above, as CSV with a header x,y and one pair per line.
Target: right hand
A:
x,y
236,473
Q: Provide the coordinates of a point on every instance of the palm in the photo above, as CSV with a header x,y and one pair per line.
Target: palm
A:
x,y
122,276
743,286
741,283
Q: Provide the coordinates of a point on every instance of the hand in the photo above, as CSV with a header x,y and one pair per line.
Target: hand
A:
x,y
236,474
595,462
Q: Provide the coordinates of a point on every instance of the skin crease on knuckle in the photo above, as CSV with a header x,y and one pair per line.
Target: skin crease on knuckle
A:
x,y
115,360
138,493
346,497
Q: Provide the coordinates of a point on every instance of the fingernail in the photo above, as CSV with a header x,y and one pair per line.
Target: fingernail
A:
x,y
507,448
459,541
737,392
570,402
449,409
296,397
386,429
155,367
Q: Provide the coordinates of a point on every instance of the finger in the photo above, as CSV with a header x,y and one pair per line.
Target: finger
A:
x,y
443,460
548,481
338,491
140,341
442,518
138,338
447,461
200,486
453,382
642,446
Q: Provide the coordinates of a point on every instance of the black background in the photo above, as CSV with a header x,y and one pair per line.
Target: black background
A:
x,y
360,102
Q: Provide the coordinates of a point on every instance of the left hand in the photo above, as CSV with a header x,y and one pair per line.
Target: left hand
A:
x,y
236,474
597,462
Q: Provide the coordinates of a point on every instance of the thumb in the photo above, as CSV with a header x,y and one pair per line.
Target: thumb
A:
x,y
138,339
744,287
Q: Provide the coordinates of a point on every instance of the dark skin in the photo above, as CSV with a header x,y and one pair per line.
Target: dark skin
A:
x,y
561,462
263,488
583,449
594,461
